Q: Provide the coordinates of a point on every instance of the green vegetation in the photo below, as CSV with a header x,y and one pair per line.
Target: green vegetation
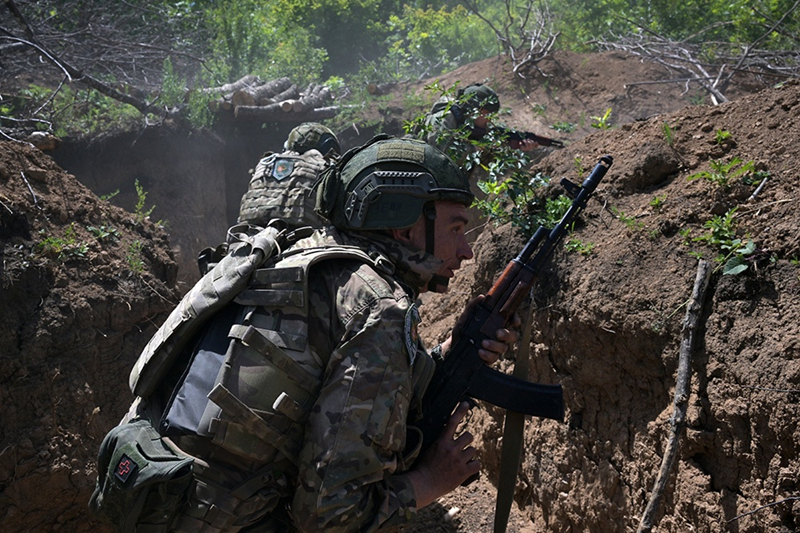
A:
x,y
104,233
722,173
133,257
576,245
721,136
62,248
630,221
564,127
669,135
733,251
165,49
141,198
658,201
602,121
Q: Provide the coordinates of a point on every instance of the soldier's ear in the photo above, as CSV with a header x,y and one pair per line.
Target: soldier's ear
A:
x,y
402,235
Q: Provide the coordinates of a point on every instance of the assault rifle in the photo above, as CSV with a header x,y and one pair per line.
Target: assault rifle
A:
x,y
515,138
463,374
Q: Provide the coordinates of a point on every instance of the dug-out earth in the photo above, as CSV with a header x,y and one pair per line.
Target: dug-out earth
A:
x,y
84,284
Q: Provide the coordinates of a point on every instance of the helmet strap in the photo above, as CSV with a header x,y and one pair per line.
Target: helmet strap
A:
x,y
437,283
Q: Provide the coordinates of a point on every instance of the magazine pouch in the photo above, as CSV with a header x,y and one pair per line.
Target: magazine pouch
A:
x,y
141,481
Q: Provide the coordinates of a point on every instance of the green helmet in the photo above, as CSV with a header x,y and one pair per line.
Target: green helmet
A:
x,y
386,183
312,135
480,96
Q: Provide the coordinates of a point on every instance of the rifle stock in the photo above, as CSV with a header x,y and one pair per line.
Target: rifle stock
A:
x,y
463,374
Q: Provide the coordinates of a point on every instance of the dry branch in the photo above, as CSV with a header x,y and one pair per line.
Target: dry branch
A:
x,y
682,390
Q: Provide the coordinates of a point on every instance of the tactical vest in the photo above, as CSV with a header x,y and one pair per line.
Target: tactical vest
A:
x,y
241,404
282,187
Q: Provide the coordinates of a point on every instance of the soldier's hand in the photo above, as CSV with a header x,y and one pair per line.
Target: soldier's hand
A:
x,y
528,144
447,463
491,349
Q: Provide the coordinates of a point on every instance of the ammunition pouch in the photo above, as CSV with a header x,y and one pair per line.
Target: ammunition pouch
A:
x,y
142,481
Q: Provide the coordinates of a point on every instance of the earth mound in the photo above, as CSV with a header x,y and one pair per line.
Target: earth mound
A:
x,y
85,284
607,325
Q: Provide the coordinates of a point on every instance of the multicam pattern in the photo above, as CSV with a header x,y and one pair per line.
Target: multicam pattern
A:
x,y
281,187
352,461
451,136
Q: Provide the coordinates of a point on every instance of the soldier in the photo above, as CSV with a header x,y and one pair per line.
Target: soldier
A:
x,y
281,186
455,126
295,403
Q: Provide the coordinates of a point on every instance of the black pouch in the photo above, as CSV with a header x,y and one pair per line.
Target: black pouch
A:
x,y
141,481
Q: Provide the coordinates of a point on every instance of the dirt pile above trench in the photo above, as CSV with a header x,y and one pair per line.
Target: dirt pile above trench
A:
x,y
607,326
83,286
78,304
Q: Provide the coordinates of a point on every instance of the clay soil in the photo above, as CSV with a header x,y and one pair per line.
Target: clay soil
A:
x,y
78,304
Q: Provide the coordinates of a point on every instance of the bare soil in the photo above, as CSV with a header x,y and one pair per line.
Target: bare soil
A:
x,y
607,325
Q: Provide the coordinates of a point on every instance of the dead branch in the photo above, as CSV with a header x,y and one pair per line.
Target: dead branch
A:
x,y
714,78
524,46
74,73
682,390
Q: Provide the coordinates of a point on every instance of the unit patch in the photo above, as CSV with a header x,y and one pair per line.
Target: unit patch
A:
x,y
411,333
125,467
282,168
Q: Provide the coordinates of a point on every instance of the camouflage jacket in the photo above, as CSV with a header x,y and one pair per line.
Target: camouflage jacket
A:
x,y
364,323
451,135
282,187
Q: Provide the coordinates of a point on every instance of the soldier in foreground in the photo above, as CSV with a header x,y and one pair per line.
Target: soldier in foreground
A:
x,y
292,408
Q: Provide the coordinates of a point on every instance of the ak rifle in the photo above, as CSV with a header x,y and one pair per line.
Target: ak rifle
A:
x,y
515,138
463,374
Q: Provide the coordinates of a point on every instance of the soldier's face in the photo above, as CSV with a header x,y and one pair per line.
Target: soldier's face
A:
x,y
450,241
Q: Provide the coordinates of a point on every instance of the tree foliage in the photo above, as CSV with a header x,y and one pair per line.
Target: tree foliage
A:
x,y
120,48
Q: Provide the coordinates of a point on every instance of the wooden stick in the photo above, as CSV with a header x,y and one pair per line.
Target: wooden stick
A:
x,y
682,390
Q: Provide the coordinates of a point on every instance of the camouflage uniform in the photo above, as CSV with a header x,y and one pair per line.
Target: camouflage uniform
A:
x,y
352,461
282,184
281,187
449,125
288,380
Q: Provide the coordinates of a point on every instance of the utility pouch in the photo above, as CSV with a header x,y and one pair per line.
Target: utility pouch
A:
x,y
141,481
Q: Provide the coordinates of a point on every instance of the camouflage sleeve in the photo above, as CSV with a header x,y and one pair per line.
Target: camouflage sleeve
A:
x,y
443,128
350,466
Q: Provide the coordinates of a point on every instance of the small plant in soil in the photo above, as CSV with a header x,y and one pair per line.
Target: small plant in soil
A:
x,y
669,135
62,248
721,136
602,123
576,245
629,220
657,202
722,173
134,257
104,233
733,251
141,197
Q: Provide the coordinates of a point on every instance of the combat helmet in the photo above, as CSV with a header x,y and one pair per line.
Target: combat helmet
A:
x,y
309,135
479,96
387,183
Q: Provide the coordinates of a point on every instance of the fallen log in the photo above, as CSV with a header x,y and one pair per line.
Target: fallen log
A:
x,y
318,98
274,113
228,88
287,94
270,88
